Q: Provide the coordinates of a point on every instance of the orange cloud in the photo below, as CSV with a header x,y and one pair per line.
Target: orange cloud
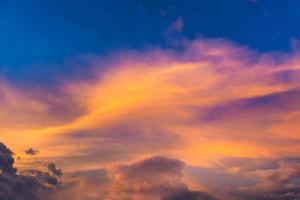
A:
x,y
207,101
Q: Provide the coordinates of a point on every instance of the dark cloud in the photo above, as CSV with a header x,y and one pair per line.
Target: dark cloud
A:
x,y
54,170
265,106
31,152
25,185
186,194
6,160
19,187
42,177
286,76
285,193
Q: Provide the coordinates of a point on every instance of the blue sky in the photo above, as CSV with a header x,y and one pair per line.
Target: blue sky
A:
x,y
34,33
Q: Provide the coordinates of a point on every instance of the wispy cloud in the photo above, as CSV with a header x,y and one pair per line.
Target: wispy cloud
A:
x,y
206,101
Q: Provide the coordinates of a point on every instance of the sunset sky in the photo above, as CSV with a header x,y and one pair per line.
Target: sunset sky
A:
x,y
150,100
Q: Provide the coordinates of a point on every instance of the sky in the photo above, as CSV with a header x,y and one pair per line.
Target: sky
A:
x,y
149,100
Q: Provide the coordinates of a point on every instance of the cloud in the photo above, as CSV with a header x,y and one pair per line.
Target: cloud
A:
x,y
31,152
6,160
28,184
203,96
276,183
178,25
199,103
152,178
248,179
54,170
169,94
190,195
285,173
